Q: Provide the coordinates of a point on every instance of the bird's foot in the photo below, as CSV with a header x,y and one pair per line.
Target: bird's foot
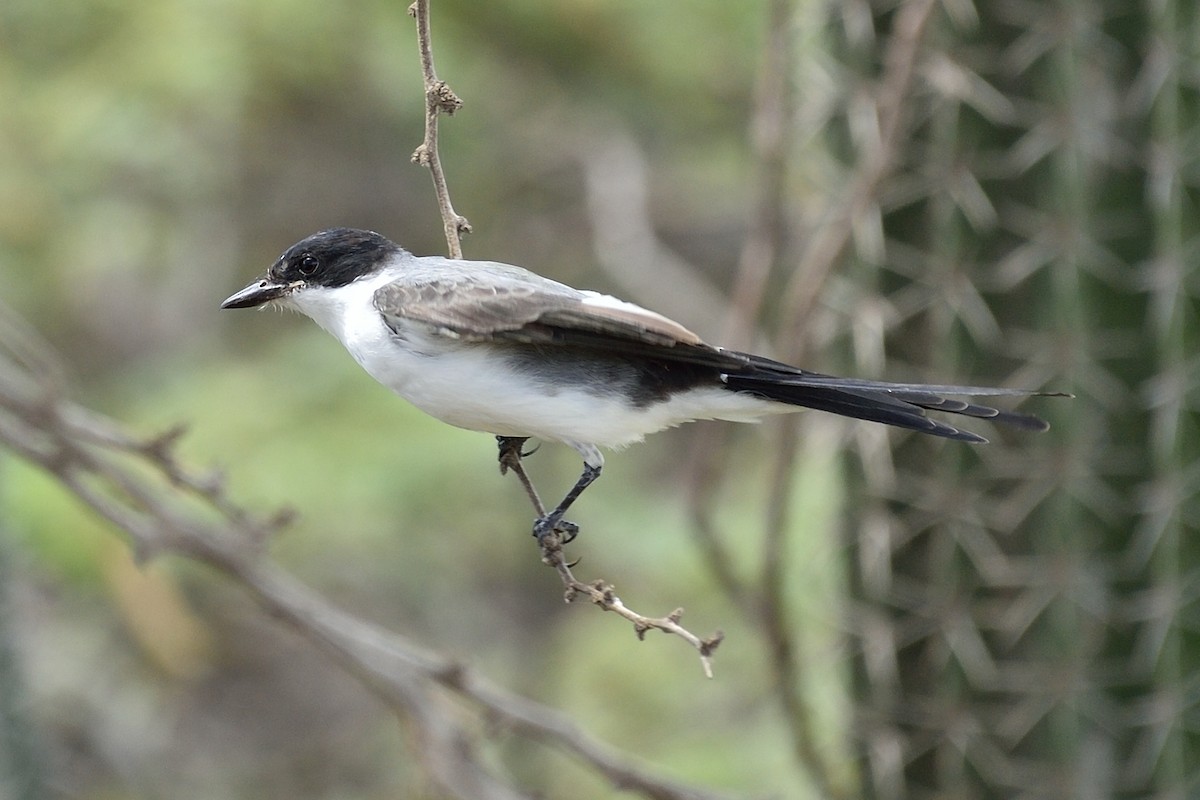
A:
x,y
511,452
554,524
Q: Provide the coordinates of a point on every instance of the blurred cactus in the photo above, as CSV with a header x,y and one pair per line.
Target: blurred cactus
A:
x,y
1024,613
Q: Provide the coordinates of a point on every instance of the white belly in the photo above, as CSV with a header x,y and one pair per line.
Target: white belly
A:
x,y
472,386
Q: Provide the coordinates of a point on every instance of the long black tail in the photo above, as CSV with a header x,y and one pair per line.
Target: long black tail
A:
x,y
900,404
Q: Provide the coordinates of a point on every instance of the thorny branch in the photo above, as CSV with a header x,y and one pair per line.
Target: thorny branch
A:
x,y
603,595
600,592
165,506
439,99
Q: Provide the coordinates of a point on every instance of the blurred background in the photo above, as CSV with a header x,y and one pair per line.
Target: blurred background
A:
x,y
987,192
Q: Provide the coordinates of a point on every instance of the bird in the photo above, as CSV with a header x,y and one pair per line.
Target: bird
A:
x,y
496,348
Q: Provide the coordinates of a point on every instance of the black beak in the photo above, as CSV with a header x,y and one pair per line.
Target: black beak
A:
x,y
261,291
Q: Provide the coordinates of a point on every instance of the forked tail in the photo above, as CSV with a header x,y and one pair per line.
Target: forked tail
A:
x,y
900,404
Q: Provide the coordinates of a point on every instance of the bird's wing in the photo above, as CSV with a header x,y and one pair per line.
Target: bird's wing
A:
x,y
491,302
496,302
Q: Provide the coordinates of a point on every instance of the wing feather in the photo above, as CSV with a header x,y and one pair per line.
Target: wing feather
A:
x,y
507,303
485,301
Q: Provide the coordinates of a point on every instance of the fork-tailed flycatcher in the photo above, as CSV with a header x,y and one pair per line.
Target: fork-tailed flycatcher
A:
x,y
495,348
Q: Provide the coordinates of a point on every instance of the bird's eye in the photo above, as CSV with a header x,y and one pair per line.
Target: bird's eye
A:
x,y
308,264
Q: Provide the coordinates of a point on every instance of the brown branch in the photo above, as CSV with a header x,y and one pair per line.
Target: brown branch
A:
x,y
599,591
141,487
439,99
601,594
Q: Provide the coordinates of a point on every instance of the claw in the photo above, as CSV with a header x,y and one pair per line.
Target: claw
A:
x,y
510,453
544,526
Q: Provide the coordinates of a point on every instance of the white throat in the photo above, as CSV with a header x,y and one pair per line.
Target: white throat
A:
x,y
345,310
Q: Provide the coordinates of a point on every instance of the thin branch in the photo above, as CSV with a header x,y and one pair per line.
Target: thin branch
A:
x,y
599,591
377,656
439,99
602,594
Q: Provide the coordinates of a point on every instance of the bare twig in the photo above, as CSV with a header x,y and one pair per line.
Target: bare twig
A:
x,y
600,592
145,490
439,99
510,459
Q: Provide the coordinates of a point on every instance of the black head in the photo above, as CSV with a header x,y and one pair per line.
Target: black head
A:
x,y
330,259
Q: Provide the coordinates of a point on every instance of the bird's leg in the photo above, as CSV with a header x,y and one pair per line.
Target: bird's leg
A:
x,y
554,520
510,459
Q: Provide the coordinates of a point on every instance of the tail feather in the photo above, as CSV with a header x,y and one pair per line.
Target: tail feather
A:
x,y
902,405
